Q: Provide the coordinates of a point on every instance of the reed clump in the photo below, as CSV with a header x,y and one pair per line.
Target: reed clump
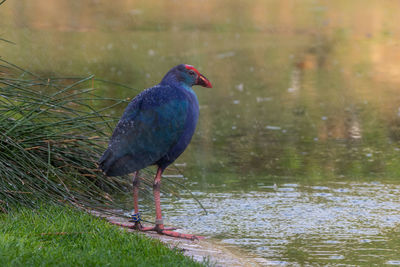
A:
x,y
51,138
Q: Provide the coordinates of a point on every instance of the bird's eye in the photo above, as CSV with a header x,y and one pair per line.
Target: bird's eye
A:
x,y
192,72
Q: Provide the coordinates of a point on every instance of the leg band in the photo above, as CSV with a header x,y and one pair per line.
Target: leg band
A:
x,y
135,217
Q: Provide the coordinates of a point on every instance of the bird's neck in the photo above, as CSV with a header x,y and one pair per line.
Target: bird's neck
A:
x,y
186,87
172,81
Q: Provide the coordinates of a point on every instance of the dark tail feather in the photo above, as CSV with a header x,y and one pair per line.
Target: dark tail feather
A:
x,y
113,166
106,161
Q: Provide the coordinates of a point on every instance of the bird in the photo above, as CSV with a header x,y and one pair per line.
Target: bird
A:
x,y
155,128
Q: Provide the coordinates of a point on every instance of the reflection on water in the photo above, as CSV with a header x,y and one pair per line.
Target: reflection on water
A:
x,y
303,115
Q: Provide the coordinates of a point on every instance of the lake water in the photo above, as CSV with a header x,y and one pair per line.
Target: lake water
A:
x,y
296,156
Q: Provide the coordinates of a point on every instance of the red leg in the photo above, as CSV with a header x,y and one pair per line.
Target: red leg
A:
x,y
136,183
159,221
138,225
157,201
159,227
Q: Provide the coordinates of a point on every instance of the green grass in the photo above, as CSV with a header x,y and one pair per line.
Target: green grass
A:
x,y
63,236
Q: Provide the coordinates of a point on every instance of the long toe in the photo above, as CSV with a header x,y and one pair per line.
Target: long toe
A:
x,y
165,231
154,228
180,235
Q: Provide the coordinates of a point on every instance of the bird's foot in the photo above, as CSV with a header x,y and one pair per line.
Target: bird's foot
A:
x,y
180,235
154,228
160,229
138,226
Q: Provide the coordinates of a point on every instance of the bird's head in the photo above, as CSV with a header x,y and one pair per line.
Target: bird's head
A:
x,y
188,75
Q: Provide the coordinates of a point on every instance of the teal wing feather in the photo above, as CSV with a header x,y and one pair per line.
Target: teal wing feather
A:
x,y
152,124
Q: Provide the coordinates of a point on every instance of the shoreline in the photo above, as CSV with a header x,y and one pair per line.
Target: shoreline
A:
x,y
218,254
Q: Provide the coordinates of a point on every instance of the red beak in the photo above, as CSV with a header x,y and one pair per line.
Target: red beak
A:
x,y
203,81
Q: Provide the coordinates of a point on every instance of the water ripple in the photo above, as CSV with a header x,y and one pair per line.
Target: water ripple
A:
x,y
345,223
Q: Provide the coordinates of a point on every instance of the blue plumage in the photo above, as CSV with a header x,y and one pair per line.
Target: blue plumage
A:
x,y
155,129
157,125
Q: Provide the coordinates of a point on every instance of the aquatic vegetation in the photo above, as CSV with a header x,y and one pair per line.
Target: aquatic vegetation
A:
x,y
50,140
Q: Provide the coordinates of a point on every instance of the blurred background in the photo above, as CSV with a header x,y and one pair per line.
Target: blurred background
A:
x,y
296,155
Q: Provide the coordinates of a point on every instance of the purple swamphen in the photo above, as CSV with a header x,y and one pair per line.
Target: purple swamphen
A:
x,y
155,129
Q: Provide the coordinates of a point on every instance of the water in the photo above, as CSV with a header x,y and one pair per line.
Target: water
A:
x,y
347,223
296,156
